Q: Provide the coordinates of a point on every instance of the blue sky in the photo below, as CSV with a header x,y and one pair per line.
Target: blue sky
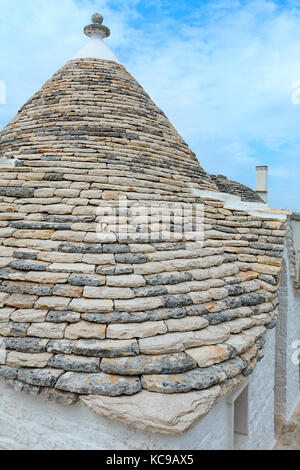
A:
x,y
223,72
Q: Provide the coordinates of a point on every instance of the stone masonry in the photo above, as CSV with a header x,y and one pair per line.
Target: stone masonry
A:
x,y
85,311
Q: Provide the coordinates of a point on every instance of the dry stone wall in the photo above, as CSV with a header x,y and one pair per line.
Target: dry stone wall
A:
x,y
90,312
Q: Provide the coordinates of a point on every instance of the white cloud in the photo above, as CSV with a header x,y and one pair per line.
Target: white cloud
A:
x,y
223,73
226,83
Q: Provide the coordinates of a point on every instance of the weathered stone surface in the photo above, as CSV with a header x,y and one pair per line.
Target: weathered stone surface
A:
x,y
40,226
207,356
162,364
108,293
239,342
141,248
26,288
201,297
250,353
169,278
92,306
250,368
46,277
273,280
4,250
52,303
18,359
47,330
57,396
186,324
196,379
156,412
60,209
240,324
106,348
271,325
61,346
12,275
138,304
129,280
16,192
5,262
137,317
61,317
273,225
174,301
75,363
3,299
28,315
266,269
23,265
253,298
68,291
5,314
150,291
136,330
26,345
8,372
39,377
254,333
175,342
82,248
91,194
231,385
115,248
95,280
98,384
99,237
68,235
261,341
12,329
106,270
72,268
19,386
21,301
131,258
122,269
103,259
85,329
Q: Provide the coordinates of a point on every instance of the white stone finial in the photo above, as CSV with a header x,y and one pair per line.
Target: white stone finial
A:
x,y
96,47
97,18
97,27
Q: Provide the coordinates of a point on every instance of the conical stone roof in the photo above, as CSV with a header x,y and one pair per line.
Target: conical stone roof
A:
x,y
93,110
96,298
237,189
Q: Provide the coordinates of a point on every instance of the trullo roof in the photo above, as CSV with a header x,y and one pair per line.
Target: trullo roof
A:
x,y
105,294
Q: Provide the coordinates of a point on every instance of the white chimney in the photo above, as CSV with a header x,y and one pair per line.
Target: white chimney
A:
x,y
262,182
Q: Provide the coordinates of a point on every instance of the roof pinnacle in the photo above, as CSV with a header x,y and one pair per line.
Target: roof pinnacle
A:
x,y
97,27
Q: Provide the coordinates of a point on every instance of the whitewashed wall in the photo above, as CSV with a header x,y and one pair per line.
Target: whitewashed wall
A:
x,y
288,330
262,400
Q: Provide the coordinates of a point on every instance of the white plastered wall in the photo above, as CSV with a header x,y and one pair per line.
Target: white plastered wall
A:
x,y
288,330
261,434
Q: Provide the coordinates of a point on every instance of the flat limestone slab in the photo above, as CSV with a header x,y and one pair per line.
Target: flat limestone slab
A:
x,y
156,412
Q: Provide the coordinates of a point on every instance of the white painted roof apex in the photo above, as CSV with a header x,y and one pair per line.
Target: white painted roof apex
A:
x,y
96,47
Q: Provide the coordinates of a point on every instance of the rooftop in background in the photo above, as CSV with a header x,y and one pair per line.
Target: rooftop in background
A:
x,y
233,187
